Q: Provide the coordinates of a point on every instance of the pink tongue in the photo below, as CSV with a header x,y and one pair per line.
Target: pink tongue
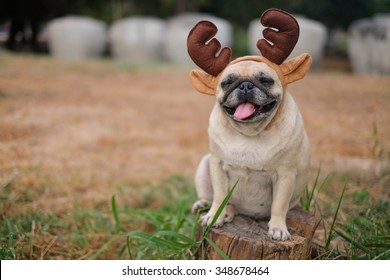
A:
x,y
244,110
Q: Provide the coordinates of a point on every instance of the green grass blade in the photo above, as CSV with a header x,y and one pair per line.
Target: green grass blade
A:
x,y
115,213
156,240
103,248
309,195
207,229
196,226
157,218
221,207
353,242
128,245
383,256
331,230
177,236
217,249
180,217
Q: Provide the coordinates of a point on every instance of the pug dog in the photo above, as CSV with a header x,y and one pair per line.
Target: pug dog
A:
x,y
256,133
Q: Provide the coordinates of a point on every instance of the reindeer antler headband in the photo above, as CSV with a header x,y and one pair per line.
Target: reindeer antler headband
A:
x,y
282,30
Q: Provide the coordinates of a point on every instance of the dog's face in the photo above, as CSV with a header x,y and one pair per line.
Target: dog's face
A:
x,y
249,92
249,89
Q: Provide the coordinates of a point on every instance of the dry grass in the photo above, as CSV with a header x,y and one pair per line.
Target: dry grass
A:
x,y
74,134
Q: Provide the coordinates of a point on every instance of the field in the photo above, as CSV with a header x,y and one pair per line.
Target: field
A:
x,y
90,151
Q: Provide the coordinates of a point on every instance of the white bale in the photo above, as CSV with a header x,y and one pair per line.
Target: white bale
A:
x,y
76,37
175,40
137,39
369,45
312,38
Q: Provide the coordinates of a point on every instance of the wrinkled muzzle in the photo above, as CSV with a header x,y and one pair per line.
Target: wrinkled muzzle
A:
x,y
249,101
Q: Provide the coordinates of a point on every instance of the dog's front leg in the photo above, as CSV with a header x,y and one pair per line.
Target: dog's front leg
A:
x,y
220,183
283,189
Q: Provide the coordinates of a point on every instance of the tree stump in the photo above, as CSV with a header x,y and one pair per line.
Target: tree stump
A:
x,y
246,239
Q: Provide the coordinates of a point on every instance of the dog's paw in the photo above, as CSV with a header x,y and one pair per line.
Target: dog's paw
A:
x,y
279,234
226,216
278,231
199,205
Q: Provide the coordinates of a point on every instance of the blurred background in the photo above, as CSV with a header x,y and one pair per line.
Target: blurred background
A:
x,y
120,27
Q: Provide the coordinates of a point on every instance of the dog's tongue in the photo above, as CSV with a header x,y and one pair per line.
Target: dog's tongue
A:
x,y
244,110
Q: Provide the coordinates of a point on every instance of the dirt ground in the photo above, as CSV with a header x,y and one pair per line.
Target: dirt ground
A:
x,y
72,131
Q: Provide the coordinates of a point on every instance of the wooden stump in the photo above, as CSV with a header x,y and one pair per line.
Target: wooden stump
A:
x,y
246,239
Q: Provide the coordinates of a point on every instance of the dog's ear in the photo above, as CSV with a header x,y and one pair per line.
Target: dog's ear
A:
x,y
296,68
203,82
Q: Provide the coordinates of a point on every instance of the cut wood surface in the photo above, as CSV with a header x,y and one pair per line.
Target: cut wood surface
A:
x,y
246,238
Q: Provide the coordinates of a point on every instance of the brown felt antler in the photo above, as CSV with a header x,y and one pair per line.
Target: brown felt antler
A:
x,y
283,39
281,35
203,48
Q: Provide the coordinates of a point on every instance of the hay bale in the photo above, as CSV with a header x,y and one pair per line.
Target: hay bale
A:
x,y
76,37
369,45
137,39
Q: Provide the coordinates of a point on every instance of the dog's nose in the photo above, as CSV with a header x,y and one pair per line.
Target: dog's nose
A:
x,y
246,86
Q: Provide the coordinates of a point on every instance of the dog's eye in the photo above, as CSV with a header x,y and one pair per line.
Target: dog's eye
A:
x,y
265,80
227,82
